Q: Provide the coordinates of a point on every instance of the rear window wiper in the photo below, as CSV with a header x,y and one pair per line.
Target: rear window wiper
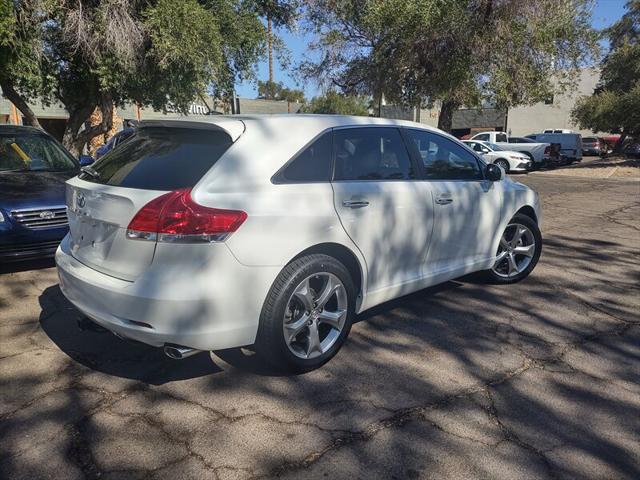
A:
x,y
90,171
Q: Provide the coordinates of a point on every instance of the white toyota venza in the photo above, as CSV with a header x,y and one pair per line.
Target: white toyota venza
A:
x,y
276,231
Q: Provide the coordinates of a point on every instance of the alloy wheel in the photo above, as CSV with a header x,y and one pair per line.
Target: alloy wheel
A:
x,y
315,315
504,164
515,252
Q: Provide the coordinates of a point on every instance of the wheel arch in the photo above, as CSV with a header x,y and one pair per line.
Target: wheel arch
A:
x,y
344,255
529,212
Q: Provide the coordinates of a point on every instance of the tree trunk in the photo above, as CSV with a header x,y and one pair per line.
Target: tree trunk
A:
x,y
445,119
270,48
75,138
9,92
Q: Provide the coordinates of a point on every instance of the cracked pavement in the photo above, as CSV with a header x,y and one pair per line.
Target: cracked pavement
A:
x,y
535,380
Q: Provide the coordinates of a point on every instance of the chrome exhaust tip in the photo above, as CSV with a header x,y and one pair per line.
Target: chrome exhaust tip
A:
x,y
178,352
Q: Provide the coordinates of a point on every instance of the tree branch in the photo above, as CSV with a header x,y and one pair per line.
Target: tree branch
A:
x,y
10,93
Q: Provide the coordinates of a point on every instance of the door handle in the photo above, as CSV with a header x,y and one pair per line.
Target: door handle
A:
x,y
355,203
444,200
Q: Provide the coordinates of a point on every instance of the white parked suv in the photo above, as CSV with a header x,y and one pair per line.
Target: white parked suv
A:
x,y
275,231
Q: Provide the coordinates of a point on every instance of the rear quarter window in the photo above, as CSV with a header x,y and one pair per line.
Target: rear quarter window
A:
x,y
312,164
161,159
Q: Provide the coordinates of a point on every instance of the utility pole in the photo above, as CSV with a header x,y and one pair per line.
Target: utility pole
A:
x,y
270,47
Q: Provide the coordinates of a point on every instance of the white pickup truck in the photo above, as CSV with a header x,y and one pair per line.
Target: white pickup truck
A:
x,y
539,153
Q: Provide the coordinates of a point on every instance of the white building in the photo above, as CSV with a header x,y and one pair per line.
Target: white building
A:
x,y
554,113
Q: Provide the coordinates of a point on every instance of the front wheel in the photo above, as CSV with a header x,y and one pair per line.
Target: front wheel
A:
x,y
307,314
518,252
501,162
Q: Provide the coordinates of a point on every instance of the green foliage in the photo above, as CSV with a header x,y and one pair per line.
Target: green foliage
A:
x,y
277,91
21,46
615,104
337,103
459,52
610,111
163,53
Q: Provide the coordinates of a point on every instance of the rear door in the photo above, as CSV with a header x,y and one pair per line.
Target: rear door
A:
x,y
103,200
467,207
383,206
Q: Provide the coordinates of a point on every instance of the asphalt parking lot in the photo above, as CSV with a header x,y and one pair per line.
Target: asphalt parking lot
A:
x,y
535,380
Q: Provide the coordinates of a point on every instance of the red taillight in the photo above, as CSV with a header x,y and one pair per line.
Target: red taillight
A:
x,y
175,217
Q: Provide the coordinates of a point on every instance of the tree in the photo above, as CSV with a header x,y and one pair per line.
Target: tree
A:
x,y
337,103
101,54
615,104
277,91
279,13
455,52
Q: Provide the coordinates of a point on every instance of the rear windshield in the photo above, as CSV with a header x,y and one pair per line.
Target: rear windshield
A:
x,y
160,159
589,139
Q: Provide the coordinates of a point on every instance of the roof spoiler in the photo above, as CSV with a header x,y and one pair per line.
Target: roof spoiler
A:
x,y
233,127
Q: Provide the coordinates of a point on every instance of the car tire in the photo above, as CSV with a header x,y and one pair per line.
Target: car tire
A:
x,y
293,304
524,263
501,162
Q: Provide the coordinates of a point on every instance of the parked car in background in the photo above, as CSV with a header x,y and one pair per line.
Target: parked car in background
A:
x,y
592,146
632,149
520,140
538,153
33,212
114,141
570,143
277,230
509,161
558,130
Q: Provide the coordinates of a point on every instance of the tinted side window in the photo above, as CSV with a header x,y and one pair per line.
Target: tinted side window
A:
x,y
313,164
476,147
501,137
444,159
371,154
161,159
484,137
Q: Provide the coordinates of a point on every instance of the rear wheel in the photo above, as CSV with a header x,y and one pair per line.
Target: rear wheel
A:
x,y
307,314
518,252
501,162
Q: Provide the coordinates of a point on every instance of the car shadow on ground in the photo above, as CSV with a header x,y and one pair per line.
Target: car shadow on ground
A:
x,y
96,348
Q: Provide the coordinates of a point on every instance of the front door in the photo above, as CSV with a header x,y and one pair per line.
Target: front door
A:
x,y
467,207
383,206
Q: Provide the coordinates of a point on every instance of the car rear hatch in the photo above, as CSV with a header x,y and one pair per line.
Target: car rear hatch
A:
x,y
161,157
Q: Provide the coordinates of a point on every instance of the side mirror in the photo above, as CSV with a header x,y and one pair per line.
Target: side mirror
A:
x,y
485,150
85,160
494,173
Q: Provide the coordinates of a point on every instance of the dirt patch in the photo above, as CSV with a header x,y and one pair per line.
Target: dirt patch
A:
x,y
593,167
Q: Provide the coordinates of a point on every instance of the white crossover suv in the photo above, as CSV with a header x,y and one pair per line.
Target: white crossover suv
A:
x,y
276,231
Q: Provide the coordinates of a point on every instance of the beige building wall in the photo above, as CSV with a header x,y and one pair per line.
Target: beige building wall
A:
x,y
536,118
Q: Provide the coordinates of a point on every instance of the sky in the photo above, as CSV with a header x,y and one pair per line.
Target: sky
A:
x,y
605,13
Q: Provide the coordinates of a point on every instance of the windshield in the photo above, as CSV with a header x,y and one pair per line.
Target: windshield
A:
x,y
493,146
33,152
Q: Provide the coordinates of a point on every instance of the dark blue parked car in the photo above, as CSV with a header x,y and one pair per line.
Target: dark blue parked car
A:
x,y
33,215
114,141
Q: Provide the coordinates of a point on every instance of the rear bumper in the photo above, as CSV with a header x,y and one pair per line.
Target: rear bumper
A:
x,y
208,303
